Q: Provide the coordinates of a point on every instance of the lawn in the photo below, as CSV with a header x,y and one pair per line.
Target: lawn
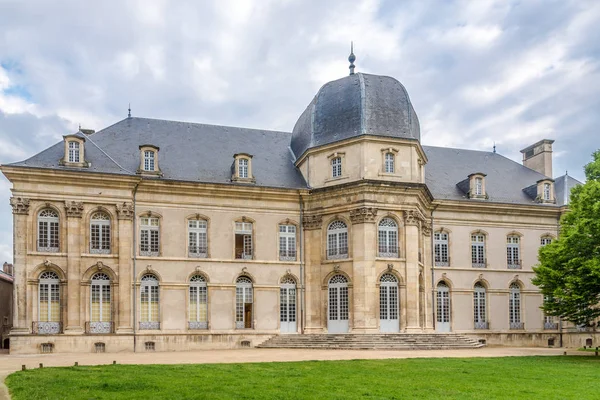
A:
x,y
570,377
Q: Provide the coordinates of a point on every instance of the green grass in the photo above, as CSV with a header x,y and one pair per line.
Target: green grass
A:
x,y
450,378
592,349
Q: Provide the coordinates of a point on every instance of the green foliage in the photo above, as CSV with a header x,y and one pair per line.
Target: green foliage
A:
x,y
569,270
442,378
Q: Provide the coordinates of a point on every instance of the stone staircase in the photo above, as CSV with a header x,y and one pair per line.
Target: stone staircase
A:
x,y
396,341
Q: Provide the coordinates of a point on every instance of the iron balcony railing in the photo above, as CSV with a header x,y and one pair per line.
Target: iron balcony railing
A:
x,y
46,328
515,264
551,326
195,325
482,325
97,327
149,325
517,325
439,262
478,264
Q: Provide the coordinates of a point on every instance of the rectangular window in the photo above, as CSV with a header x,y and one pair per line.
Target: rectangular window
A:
x,y
478,251
149,236
389,163
478,186
149,303
512,252
48,236
197,238
243,168
440,240
287,242
336,167
546,191
100,238
243,240
148,160
515,310
74,152
545,240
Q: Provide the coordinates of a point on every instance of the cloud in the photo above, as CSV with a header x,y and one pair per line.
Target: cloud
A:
x,y
478,72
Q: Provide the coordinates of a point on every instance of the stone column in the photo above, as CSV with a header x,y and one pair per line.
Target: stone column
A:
x,y
411,225
21,321
364,274
312,225
74,211
124,305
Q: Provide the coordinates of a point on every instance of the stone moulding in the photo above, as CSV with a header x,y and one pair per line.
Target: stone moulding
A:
x,y
20,205
413,217
312,221
74,208
363,215
125,210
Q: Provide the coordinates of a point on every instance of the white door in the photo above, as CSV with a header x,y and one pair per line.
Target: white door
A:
x,y
337,316
287,308
388,304
443,308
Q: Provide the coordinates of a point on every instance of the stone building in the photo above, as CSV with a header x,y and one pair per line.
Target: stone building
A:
x,y
6,304
171,235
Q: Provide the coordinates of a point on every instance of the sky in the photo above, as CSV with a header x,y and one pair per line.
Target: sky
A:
x,y
478,72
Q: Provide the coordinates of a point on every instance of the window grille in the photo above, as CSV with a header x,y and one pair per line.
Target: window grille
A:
x,y
440,240
100,233
243,240
47,348
336,167
388,238
512,252
74,152
478,251
149,310
100,347
198,313
478,186
149,160
389,163
479,307
243,168
545,240
149,346
337,240
244,303
149,236
287,242
443,303
48,238
197,238
514,307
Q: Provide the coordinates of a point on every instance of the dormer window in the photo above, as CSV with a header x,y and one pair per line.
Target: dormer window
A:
x,y
73,151
74,155
477,186
545,191
149,160
242,168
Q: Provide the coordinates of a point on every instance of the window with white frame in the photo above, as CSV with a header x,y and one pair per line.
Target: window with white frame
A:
x,y
100,304
478,250
197,238
550,321
149,302
198,315
514,306
149,236
389,163
388,238
74,152
337,240
48,303
243,168
478,186
545,240
48,234
243,240
440,243
100,233
244,299
287,242
512,252
336,167
479,307
149,156
547,191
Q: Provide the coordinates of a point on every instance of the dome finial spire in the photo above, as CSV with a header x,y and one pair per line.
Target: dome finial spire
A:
x,y
351,58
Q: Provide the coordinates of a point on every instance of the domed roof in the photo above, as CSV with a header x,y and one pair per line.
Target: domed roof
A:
x,y
359,104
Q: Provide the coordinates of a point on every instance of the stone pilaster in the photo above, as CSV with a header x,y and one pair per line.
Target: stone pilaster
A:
x,y
123,311
312,259
20,206
74,211
411,225
427,263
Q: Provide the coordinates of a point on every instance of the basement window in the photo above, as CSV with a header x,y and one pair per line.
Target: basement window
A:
x,y
100,347
149,346
47,348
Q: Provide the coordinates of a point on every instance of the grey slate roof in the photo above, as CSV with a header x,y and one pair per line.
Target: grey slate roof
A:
x,y
359,104
562,188
188,152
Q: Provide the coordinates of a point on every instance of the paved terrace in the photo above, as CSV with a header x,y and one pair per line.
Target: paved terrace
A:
x,y
12,363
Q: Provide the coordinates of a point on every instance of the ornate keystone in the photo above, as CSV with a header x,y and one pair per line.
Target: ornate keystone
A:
x,y
20,205
363,215
412,217
125,210
74,208
312,221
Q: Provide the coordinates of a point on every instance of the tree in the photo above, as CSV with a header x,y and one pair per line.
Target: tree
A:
x,y
568,273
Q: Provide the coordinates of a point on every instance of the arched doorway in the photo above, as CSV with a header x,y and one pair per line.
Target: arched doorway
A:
x,y
388,304
100,304
443,307
338,310
287,305
243,303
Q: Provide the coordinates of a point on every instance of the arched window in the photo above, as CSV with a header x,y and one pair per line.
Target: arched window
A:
x,y
287,242
100,304
479,307
388,303
443,307
287,305
514,306
513,252
198,317
388,238
336,167
243,303
389,163
48,231
337,240
197,238
544,240
149,236
49,321
478,259
339,308
149,312
440,241
100,233
74,152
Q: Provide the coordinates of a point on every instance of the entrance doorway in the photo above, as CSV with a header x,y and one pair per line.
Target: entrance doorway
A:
x,y
443,307
337,316
388,304
287,305
243,303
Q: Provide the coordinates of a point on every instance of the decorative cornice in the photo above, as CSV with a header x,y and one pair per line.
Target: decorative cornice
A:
x,y
363,215
125,210
412,217
20,205
74,208
312,222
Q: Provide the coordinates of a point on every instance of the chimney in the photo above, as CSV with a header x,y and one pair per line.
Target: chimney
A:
x,y
87,131
538,157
